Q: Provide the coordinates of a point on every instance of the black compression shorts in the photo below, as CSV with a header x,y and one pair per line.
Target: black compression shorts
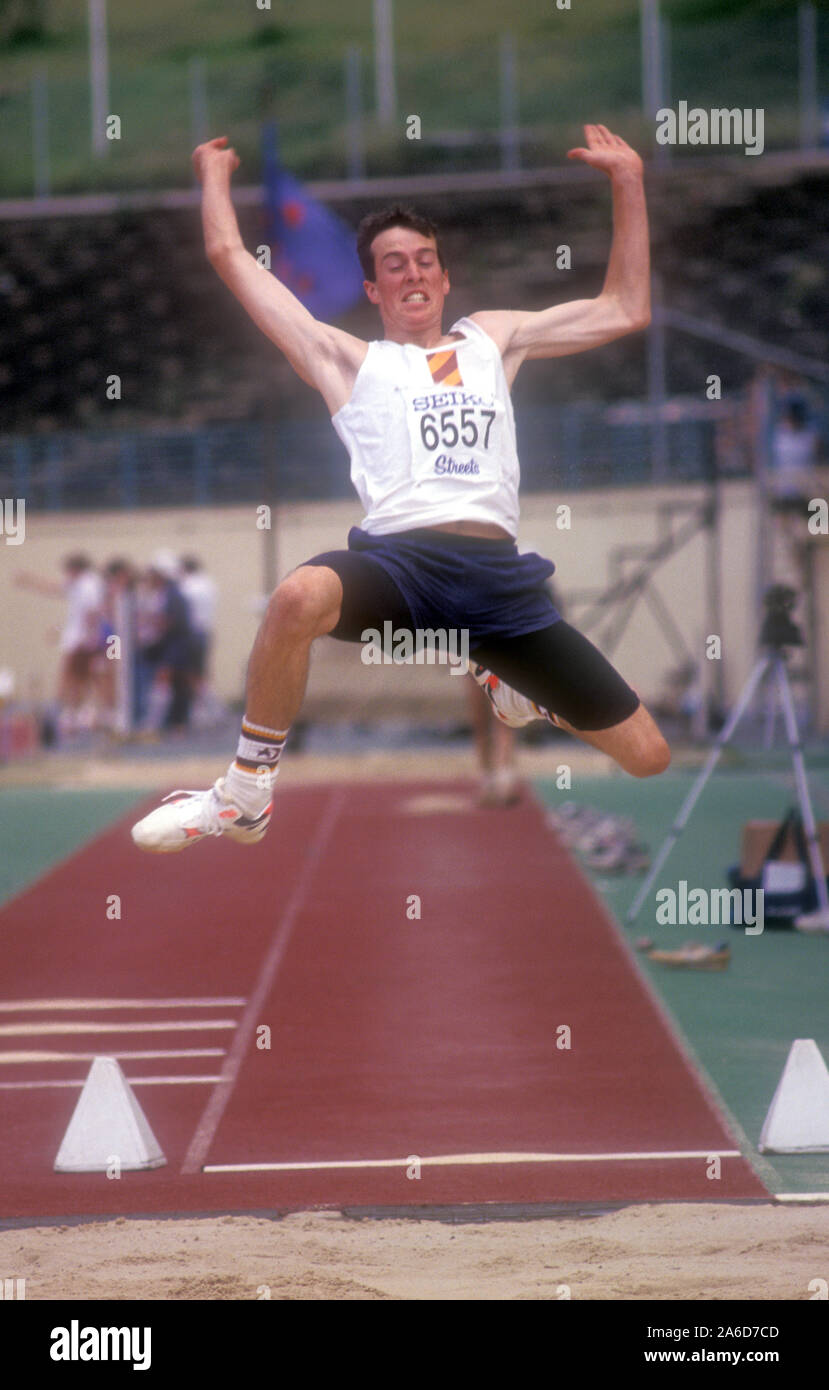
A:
x,y
555,666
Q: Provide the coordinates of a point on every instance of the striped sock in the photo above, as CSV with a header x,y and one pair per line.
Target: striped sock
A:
x,y
250,778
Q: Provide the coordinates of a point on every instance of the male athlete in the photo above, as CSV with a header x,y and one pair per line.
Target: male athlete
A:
x,y
427,419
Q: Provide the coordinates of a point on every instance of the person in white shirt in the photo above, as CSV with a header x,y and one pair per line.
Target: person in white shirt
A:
x,y
82,639
200,592
427,419
795,454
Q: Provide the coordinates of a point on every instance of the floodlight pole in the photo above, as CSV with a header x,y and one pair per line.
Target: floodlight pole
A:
x,y
40,132
657,385
807,63
199,121
354,139
652,39
384,61
510,137
98,74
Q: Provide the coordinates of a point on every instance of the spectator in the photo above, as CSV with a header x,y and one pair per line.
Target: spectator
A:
x,y
166,648
81,642
119,679
200,592
795,454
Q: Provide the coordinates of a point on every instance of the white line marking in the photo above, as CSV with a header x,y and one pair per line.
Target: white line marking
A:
x,y
801,1196
8,1006
464,1160
215,1108
14,1058
133,1080
9,1030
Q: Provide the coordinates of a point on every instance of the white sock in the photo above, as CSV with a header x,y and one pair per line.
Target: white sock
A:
x,y
251,776
250,791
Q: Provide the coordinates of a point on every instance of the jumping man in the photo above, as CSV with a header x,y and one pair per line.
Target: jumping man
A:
x,y
427,419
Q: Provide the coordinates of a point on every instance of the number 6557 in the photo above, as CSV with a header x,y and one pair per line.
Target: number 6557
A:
x,y
444,432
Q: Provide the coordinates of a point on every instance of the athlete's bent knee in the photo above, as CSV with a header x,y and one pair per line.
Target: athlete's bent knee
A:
x,y
653,759
304,603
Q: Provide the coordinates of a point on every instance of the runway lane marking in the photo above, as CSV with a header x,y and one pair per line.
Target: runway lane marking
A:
x,y
23,1058
437,804
133,1080
10,1030
801,1196
464,1160
8,1006
215,1108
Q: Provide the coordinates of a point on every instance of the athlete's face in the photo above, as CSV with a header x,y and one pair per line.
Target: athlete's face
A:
x,y
409,286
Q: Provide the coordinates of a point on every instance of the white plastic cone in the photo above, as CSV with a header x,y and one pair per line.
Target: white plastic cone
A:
x,y
798,1117
107,1126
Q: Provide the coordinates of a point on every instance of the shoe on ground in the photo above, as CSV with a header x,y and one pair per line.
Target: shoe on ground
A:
x,y
694,956
600,834
571,822
817,921
185,817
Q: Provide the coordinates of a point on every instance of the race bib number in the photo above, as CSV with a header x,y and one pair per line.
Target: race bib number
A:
x,y
455,434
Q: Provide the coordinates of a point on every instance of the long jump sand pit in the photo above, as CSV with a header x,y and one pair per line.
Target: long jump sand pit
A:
x,y
675,1253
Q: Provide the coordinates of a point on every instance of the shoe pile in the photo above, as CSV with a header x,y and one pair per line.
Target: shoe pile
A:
x,y
607,842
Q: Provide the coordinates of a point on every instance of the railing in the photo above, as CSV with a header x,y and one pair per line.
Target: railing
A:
x,y
578,446
512,99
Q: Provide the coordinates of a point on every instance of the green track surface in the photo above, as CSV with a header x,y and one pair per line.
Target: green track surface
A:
x,y
41,825
738,1023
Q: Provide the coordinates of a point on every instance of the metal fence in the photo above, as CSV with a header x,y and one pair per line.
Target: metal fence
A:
x,y
514,99
576,446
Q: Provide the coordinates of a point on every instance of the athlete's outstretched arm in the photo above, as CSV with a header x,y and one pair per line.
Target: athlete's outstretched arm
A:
x,y
323,356
624,303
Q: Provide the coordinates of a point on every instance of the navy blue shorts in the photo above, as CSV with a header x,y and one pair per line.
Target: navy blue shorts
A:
x,y
453,581
437,579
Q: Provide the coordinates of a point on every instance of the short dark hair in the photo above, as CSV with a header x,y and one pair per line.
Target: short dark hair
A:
x,y
77,563
395,216
797,412
117,567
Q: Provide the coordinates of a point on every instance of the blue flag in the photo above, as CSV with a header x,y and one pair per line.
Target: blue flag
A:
x,y
312,250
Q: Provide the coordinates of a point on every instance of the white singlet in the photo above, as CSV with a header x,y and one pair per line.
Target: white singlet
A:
x,y
431,435
85,596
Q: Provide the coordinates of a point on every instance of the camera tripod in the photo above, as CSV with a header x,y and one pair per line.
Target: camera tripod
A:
x,y
778,632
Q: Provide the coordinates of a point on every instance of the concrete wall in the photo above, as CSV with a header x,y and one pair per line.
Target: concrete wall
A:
x,y
233,551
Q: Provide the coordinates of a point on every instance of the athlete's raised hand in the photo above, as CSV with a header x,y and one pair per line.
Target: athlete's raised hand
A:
x,y
607,152
212,154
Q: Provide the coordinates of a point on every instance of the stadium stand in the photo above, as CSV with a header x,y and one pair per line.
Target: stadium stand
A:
x,y
131,293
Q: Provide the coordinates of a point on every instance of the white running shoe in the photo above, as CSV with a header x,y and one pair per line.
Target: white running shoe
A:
x,y
190,816
509,706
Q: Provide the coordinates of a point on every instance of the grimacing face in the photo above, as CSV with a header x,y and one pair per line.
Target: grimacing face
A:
x,y
409,287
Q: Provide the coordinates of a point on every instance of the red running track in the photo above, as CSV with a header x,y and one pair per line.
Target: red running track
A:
x,y
395,1040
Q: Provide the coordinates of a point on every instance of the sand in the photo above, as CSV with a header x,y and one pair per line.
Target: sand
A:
x,y
681,1252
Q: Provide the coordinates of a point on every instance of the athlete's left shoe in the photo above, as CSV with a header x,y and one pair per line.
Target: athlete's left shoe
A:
x,y
510,707
186,817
